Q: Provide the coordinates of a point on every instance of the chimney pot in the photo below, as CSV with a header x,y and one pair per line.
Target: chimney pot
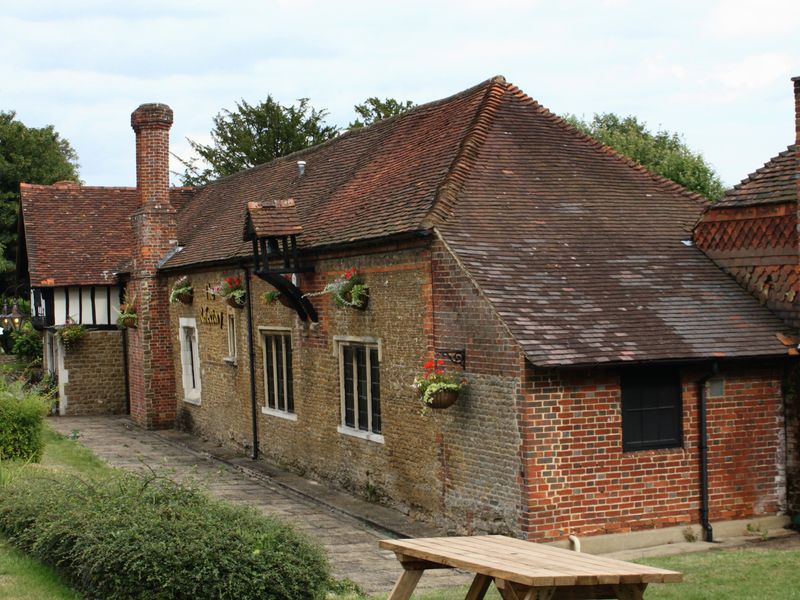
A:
x,y
151,123
152,115
301,167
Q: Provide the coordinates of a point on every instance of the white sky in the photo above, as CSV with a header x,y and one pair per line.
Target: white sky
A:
x,y
717,72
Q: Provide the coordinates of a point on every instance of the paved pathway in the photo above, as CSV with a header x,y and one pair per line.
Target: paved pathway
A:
x,y
351,545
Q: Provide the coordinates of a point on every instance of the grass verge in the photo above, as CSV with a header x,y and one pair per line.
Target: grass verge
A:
x,y
22,578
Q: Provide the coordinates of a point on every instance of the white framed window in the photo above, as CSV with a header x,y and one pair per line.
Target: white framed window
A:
x,y
230,326
190,359
276,345
360,385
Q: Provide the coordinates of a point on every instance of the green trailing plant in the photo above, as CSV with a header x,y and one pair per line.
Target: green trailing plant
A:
x,y
70,334
21,421
348,290
435,379
140,537
270,297
182,291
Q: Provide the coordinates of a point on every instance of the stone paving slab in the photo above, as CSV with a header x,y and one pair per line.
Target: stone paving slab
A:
x,y
351,544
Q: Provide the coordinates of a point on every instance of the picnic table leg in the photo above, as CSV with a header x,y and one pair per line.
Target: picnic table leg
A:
x,y
511,591
405,585
477,590
630,591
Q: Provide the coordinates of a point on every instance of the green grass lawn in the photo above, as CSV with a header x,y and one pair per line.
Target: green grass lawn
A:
x,y
753,573
22,578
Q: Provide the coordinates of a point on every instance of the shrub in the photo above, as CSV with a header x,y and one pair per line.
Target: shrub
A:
x,y
27,343
136,537
21,415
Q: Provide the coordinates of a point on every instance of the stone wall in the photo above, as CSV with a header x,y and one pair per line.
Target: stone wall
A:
x,y
579,481
456,467
92,380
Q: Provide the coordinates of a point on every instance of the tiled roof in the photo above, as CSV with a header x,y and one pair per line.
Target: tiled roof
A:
x,y
578,249
581,252
275,218
771,184
366,183
80,235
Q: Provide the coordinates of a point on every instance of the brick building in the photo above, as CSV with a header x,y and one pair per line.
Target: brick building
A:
x,y
618,380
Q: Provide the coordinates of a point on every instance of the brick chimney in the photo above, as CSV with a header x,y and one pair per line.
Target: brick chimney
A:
x,y
796,81
151,371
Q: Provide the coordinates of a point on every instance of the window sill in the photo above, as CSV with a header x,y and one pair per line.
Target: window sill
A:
x,y
273,412
364,435
190,400
230,360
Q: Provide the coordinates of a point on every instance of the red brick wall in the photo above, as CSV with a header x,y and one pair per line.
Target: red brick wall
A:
x,y
579,481
152,386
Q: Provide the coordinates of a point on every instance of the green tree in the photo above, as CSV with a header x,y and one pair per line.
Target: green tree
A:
x,y
30,155
374,109
255,134
662,152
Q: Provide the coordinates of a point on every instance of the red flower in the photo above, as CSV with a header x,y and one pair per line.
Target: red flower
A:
x,y
439,372
348,274
429,364
440,362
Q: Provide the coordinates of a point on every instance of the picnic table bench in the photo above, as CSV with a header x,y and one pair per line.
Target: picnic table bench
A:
x,y
522,570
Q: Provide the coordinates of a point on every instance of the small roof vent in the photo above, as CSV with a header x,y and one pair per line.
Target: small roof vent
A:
x,y
301,168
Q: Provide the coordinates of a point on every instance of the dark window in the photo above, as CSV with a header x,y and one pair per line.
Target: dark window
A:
x,y
278,372
361,402
651,409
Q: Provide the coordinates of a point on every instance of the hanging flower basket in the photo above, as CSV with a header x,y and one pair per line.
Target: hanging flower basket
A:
x,y
128,322
443,399
185,297
233,302
438,388
182,291
348,290
270,298
128,312
359,301
231,291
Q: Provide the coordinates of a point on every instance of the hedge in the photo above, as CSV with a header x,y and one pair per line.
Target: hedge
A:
x,y
132,537
21,415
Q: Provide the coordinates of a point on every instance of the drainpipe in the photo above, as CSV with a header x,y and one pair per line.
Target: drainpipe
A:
x,y
251,354
702,418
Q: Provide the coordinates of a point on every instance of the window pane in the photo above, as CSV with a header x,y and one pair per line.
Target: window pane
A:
x,y
287,341
279,370
189,337
268,366
375,390
651,409
349,415
361,362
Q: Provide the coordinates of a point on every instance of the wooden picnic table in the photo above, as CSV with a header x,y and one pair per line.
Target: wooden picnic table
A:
x,y
522,570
